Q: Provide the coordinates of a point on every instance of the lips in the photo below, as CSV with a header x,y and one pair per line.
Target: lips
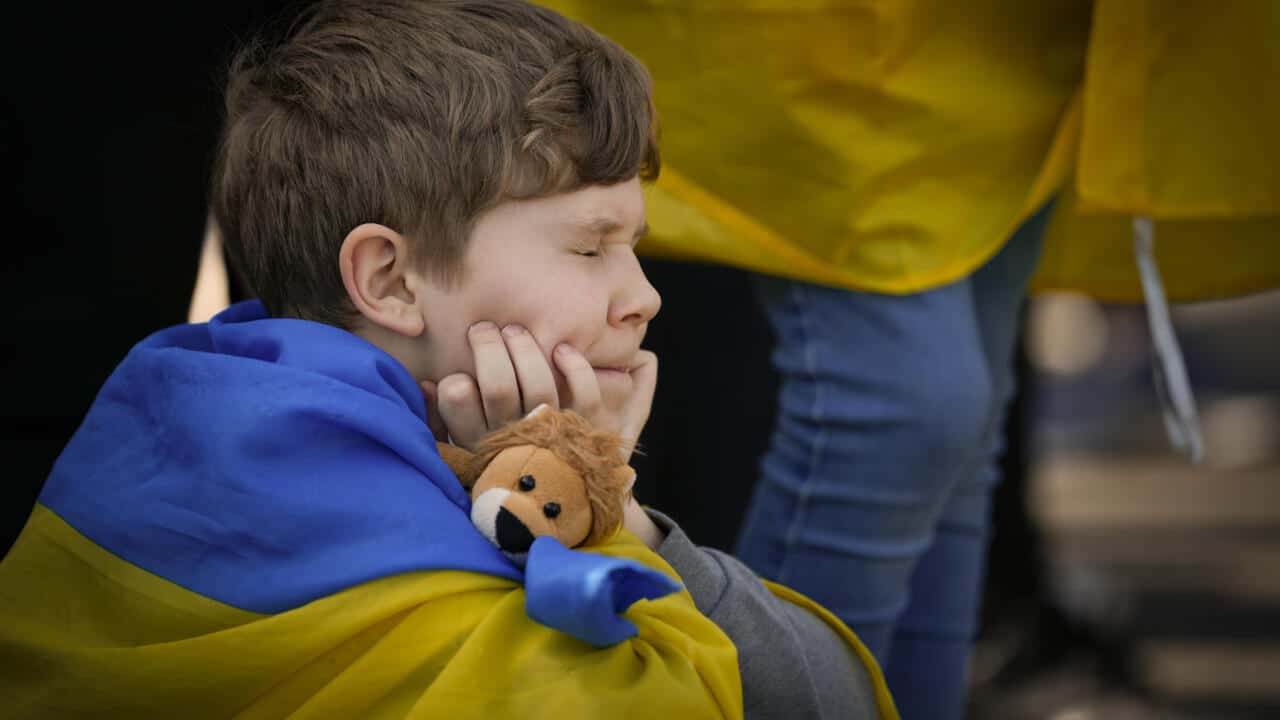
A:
x,y
614,377
615,385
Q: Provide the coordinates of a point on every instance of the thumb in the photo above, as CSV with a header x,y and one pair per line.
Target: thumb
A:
x,y
636,412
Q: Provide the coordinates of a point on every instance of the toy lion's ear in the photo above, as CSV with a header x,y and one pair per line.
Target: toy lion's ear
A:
x,y
459,461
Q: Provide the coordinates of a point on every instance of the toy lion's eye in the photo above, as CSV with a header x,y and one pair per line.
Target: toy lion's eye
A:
x,y
551,509
527,482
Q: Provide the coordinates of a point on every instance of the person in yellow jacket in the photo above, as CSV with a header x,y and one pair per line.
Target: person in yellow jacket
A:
x,y
899,173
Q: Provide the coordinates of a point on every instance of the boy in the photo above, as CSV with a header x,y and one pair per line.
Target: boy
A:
x,y
434,198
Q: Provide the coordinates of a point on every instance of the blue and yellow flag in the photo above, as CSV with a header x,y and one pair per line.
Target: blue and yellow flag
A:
x,y
253,521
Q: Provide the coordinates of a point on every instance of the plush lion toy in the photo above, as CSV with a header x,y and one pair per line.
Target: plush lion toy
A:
x,y
550,473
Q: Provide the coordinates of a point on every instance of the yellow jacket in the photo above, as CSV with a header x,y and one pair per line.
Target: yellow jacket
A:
x,y
894,145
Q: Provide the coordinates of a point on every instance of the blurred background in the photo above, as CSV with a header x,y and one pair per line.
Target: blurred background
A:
x,y
1168,573
1125,582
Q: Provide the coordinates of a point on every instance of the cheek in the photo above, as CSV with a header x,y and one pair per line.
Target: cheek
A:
x,y
575,313
559,302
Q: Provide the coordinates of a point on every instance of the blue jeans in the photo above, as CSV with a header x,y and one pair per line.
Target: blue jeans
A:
x,y
874,496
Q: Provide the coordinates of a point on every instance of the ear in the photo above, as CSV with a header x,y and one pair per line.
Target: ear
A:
x,y
380,278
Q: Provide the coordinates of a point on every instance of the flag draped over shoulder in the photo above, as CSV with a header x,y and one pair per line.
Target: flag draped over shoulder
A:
x,y
253,521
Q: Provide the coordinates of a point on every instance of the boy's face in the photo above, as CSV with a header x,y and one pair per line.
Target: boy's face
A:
x,y
564,268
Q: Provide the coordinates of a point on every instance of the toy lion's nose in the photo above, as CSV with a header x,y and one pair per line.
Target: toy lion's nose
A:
x,y
513,536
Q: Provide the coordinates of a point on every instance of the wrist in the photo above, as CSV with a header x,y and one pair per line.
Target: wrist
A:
x,y
643,526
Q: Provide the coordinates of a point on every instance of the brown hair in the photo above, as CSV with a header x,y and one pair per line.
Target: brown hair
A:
x,y
418,115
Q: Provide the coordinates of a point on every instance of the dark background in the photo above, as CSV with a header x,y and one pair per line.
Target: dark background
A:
x,y
109,121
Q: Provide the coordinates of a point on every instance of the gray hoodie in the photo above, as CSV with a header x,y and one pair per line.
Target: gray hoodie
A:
x,y
793,665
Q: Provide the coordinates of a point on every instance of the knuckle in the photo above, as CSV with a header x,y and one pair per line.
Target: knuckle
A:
x,y
502,394
529,361
456,390
486,342
540,393
484,334
522,341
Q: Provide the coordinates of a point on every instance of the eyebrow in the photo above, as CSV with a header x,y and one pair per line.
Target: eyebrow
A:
x,y
608,226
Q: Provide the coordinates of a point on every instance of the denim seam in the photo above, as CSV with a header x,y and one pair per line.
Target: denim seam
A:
x,y
791,539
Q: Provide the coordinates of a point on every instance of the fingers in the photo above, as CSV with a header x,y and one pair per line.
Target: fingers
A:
x,y
580,382
495,375
511,379
537,386
461,409
636,412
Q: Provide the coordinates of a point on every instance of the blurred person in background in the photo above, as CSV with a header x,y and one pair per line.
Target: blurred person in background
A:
x,y
899,174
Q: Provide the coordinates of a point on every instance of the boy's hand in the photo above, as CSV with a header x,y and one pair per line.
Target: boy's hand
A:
x,y
513,377
582,394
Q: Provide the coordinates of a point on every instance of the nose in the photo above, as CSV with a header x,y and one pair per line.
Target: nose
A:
x,y
636,301
513,536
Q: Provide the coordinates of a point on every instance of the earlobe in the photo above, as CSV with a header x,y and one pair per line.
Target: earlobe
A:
x,y
377,271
